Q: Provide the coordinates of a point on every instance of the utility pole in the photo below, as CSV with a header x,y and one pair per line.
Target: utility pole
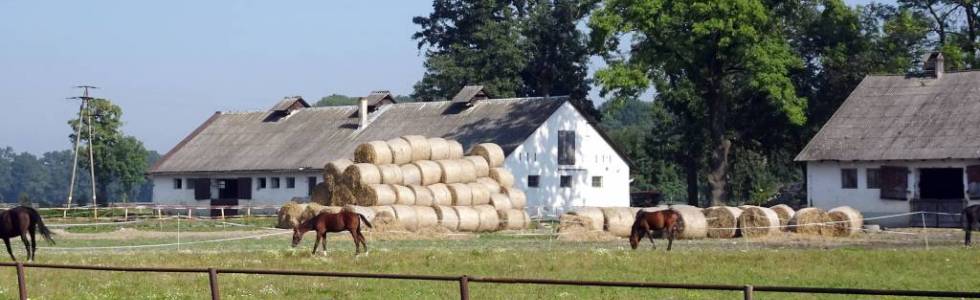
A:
x,y
84,109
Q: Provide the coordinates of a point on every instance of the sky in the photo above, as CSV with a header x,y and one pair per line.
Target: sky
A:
x,y
171,64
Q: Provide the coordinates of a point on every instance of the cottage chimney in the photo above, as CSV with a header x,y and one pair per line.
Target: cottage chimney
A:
x,y
934,65
362,113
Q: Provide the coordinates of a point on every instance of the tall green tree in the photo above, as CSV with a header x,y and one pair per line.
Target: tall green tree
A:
x,y
336,100
558,54
119,159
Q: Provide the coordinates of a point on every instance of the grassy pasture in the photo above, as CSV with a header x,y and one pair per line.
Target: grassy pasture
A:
x,y
864,262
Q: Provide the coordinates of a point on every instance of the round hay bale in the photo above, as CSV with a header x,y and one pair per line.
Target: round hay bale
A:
x,y
693,223
493,154
447,217
403,195
385,220
411,174
461,194
500,201
333,171
480,166
429,172
455,149
441,194
382,208
377,194
511,219
373,152
320,194
517,197
491,184
365,211
427,217
469,218
569,223
360,175
467,172
594,214
810,220
847,221
289,214
757,221
420,147
342,195
450,171
391,174
722,221
618,220
406,216
314,209
502,176
481,196
489,220
401,151
423,196
438,148
784,212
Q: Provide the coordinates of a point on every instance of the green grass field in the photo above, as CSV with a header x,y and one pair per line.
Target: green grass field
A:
x,y
862,262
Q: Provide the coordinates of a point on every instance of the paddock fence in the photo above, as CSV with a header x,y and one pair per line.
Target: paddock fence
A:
x,y
464,281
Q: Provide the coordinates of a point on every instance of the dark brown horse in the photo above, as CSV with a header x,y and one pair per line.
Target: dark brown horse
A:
x,y
970,215
22,221
333,222
648,221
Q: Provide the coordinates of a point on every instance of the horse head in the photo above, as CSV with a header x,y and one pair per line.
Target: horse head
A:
x,y
635,238
298,232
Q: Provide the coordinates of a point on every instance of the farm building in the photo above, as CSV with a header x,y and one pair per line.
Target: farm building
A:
x,y
900,144
559,157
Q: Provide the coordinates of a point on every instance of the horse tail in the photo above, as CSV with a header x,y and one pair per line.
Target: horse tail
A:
x,y
36,219
365,220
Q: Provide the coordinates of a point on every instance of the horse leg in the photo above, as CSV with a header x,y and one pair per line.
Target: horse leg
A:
x,y
363,240
967,228
671,232
357,242
316,244
27,245
33,244
324,242
6,241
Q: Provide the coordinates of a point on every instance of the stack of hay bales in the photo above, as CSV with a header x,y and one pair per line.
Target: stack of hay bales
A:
x,y
429,182
618,221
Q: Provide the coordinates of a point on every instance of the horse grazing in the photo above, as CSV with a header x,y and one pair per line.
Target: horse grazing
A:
x,y
648,221
333,222
22,220
970,215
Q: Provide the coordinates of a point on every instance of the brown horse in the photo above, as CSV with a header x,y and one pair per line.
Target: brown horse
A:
x,y
970,216
22,221
648,221
333,222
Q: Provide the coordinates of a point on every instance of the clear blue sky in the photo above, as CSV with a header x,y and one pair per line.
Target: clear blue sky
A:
x,y
171,64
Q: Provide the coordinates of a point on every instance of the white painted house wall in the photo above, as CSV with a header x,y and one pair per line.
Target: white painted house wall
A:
x,y
824,187
538,155
164,192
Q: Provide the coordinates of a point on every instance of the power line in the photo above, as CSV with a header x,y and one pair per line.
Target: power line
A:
x,y
84,110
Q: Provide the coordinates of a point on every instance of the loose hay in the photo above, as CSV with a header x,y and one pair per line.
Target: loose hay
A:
x,y
403,195
429,172
500,201
342,195
517,197
441,194
512,219
722,221
447,217
479,192
757,221
365,211
693,223
427,217
784,212
502,176
618,220
333,171
594,214
847,221
320,194
374,152
810,220
289,215
491,184
377,194
493,154
406,216
439,148
411,174
385,220
451,171
401,151
391,174
420,147
469,218
460,193
480,166
361,175
455,149
489,220
423,196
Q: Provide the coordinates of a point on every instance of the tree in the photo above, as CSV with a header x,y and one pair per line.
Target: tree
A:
x,y
336,100
558,53
119,159
726,50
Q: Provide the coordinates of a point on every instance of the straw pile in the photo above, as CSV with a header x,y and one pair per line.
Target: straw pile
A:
x,y
784,212
320,194
289,215
500,202
489,220
847,221
439,148
469,218
722,221
406,216
571,223
491,184
375,152
411,174
693,223
391,174
420,147
403,195
461,194
361,174
502,176
480,194
427,217
334,170
493,154
757,221
423,196
429,171
377,194
480,166
440,194
810,220
455,149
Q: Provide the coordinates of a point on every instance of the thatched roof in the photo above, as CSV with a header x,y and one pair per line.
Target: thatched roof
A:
x,y
903,118
309,138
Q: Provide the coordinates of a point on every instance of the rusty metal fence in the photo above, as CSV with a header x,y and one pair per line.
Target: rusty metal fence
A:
x,y
465,280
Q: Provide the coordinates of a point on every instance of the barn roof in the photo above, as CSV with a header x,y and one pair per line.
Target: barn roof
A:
x,y
903,118
309,138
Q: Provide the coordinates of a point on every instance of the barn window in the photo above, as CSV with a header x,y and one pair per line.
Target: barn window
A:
x,y
848,178
973,182
872,179
894,182
566,147
275,182
533,181
178,183
290,182
566,181
597,181
262,183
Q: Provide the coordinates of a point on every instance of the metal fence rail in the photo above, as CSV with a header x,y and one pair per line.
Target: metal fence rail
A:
x,y
464,281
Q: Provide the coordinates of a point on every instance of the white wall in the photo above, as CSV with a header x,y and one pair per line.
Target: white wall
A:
x,y
164,192
538,155
824,187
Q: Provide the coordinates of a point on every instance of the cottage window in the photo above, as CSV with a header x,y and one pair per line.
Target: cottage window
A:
x,y
894,183
533,181
262,183
566,147
290,182
275,182
848,178
872,179
178,183
597,181
566,181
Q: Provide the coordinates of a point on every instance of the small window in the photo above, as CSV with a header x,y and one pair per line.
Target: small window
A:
x,y
262,183
275,182
872,179
566,147
597,181
290,182
848,178
533,181
178,183
566,181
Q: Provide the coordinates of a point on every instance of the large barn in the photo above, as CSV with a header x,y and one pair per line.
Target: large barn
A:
x,y
901,144
558,156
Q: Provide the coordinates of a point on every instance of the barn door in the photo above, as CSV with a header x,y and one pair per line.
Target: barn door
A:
x,y
894,183
245,188
202,188
973,182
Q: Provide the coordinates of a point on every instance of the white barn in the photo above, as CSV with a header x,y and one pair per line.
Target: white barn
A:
x,y
901,144
558,156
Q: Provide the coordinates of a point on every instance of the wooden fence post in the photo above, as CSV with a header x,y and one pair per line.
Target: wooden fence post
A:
x,y
21,282
464,287
747,292
213,280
